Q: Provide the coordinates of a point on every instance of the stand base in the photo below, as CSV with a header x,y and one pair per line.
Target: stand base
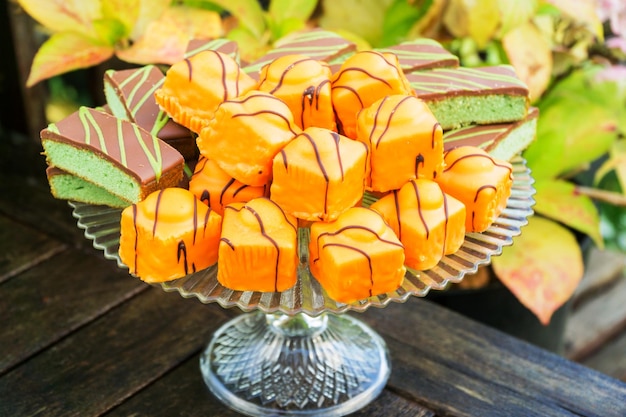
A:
x,y
278,365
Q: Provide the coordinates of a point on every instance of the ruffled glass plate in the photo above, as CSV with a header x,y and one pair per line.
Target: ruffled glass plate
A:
x,y
297,355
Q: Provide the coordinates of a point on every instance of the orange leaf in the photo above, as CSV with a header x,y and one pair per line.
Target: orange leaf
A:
x,y
66,51
62,16
530,54
165,39
149,10
542,268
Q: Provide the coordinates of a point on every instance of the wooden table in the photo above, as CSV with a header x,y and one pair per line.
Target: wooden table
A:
x,y
80,337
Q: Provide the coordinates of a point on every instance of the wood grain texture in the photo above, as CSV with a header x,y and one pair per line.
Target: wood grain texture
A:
x,y
457,367
22,247
597,321
99,366
51,300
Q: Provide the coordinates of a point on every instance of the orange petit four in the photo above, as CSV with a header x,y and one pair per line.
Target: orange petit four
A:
x,y
429,223
319,174
304,85
357,256
194,87
404,141
258,247
482,182
168,235
245,135
216,188
362,79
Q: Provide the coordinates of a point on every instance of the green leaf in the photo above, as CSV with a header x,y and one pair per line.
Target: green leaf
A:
x,y
125,12
110,31
64,16
248,13
571,133
66,51
283,10
400,18
250,47
558,200
285,27
363,18
542,268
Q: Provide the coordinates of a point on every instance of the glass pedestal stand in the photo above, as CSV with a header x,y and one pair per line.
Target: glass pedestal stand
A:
x,y
295,365
294,353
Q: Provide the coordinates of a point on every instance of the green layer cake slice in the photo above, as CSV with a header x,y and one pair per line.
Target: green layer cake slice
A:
x,y
66,186
112,153
225,46
463,96
130,96
501,140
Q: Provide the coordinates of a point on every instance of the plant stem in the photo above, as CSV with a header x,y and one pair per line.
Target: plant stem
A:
x,y
610,197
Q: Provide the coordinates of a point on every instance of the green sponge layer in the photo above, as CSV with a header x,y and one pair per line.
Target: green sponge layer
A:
x,y
92,168
66,186
455,112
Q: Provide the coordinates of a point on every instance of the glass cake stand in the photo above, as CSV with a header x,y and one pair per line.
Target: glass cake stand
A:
x,y
294,354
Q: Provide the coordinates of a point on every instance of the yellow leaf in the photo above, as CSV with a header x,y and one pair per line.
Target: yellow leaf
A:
x,y
62,16
559,200
530,54
478,19
515,13
149,11
66,51
165,39
542,268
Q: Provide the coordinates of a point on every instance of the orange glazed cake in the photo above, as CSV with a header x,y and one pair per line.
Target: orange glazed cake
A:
x,y
216,188
362,79
429,223
319,175
258,247
245,135
357,256
304,85
404,141
194,87
168,235
482,182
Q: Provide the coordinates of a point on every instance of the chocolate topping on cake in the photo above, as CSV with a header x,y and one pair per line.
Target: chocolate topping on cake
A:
x,y
131,148
318,44
421,54
438,84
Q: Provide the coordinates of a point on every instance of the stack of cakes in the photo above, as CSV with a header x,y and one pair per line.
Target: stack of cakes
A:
x,y
296,141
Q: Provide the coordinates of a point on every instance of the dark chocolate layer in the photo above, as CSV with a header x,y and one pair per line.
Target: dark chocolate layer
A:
x,y
318,44
438,84
131,148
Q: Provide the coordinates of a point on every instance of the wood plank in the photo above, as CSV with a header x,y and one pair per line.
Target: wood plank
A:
x,y
184,393
22,247
100,365
29,202
610,358
48,302
602,267
456,367
596,321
